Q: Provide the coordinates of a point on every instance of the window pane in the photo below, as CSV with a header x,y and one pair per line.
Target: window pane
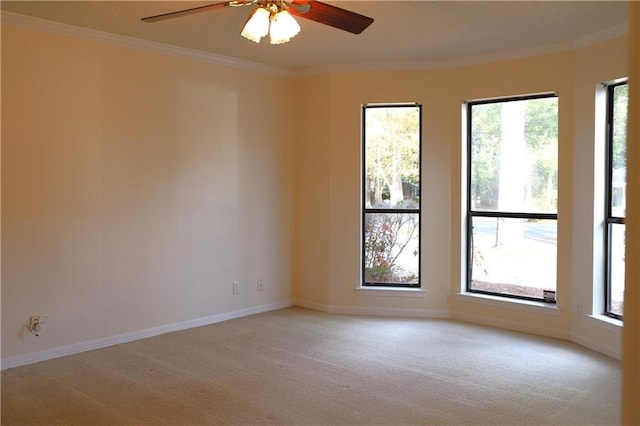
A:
x,y
616,269
391,248
514,256
392,157
619,150
514,156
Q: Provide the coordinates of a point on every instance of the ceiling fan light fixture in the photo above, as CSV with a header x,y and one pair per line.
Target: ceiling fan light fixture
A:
x,y
272,16
257,26
283,27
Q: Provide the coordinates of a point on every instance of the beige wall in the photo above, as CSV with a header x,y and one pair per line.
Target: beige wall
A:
x,y
574,76
349,91
311,265
136,187
588,237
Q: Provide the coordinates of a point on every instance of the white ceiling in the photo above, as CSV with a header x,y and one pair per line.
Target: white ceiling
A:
x,y
404,32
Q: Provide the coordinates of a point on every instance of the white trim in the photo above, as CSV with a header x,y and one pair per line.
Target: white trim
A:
x,y
390,292
596,345
28,22
510,303
62,351
311,305
614,352
619,80
75,348
606,323
600,36
11,18
490,58
391,312
511,325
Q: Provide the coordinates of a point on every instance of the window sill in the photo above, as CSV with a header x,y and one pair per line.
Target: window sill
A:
x,y
390,292
606,322
517,304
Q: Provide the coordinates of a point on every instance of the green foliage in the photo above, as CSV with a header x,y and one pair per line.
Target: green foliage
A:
x,y
485,152
620,117
541,139
392,153
541,136
392,173
387,237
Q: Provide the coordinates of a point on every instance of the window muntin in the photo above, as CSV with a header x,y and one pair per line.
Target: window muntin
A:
x,y
391,186
616,167
512,197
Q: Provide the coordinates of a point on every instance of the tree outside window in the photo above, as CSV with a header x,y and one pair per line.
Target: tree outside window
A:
x,y
513,196
391,195
616,172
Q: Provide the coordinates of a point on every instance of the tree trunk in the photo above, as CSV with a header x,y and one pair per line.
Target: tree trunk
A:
x,y
512,184
395,189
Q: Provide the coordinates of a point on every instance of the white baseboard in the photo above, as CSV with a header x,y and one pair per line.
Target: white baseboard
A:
x,y
75,348
61,351
359,310
511,325
392,312
311,305
597,346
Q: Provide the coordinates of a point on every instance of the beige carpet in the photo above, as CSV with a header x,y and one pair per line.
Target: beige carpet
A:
x,y
301,367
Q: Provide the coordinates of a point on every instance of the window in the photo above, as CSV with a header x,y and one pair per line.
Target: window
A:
x,y
391,181
615,208
512,189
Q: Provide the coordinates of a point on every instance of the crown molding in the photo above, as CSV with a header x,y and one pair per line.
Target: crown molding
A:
x,y
580,43
38,24
31,23
601,36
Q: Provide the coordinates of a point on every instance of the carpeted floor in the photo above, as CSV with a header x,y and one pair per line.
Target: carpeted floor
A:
x,y
300,367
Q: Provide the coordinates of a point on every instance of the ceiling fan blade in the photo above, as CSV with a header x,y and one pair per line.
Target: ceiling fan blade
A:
x,y
185,12
332,15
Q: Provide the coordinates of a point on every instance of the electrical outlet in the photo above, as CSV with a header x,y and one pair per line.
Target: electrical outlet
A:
x,y
260,285
236,287
35,323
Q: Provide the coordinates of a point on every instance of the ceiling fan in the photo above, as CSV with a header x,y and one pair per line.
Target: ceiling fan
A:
x,y
274,17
